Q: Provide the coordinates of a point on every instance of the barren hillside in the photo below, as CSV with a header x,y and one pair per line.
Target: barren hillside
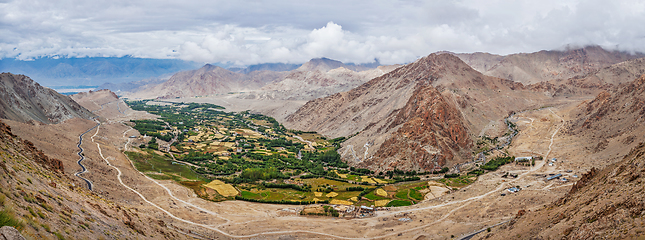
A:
x,y
205,81
603,203
24,100
614,118
595,82
315,83
47,205
530,68
406,98
316,78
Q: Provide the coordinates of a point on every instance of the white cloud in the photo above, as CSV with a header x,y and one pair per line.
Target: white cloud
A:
x,y
249,32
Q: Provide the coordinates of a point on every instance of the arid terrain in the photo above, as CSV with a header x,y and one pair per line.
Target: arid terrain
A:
x,y
423,116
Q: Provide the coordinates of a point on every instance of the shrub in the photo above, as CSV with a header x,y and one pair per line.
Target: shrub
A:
x,y
7,218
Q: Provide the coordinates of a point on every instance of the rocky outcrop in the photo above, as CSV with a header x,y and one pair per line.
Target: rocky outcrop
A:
x,y
29,150
25,100
10,233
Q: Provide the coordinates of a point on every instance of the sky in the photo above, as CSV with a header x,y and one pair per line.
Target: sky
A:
x,y
252,32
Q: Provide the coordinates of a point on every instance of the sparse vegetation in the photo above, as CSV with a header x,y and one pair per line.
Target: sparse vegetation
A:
x,y
8,218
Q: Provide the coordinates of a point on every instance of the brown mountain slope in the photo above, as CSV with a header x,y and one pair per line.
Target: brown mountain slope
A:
x,y
318,77
307,85
613,119
595,82
607,204
429,131
34,191
530,68
462,106
207,80
24,100
103,103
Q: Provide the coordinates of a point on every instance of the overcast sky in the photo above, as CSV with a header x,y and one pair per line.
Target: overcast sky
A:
x,y
251,32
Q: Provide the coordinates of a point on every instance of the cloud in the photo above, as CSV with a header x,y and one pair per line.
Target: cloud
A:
x,y
249,32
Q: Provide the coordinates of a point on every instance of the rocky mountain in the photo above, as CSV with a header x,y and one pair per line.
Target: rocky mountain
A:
x,y
530,68
25,100
419,116
316,78
307,84
593,83
208,80
614,117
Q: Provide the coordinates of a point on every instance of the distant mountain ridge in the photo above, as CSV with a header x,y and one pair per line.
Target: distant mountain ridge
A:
x,y
276,67
530,68
25,100
323,76
93,70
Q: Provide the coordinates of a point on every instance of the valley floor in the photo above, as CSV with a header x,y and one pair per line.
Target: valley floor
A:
x,y
469,209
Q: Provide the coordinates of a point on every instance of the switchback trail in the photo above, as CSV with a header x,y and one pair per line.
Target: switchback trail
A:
x,y
80,154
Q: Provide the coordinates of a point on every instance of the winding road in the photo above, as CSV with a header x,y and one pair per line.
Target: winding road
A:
x,y
80,154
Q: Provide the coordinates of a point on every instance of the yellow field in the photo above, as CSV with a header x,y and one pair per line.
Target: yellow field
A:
x,y
340,202
340,174
381,192
381,203
331,194
379,180
222,188
355,199
318,194
367,179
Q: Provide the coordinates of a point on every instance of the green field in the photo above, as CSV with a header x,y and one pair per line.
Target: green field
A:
x,y
152,162
459,182
399,203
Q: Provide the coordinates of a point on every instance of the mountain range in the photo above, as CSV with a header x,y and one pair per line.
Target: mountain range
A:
x,y
422,116
90,71
318,77
582,109
530,68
